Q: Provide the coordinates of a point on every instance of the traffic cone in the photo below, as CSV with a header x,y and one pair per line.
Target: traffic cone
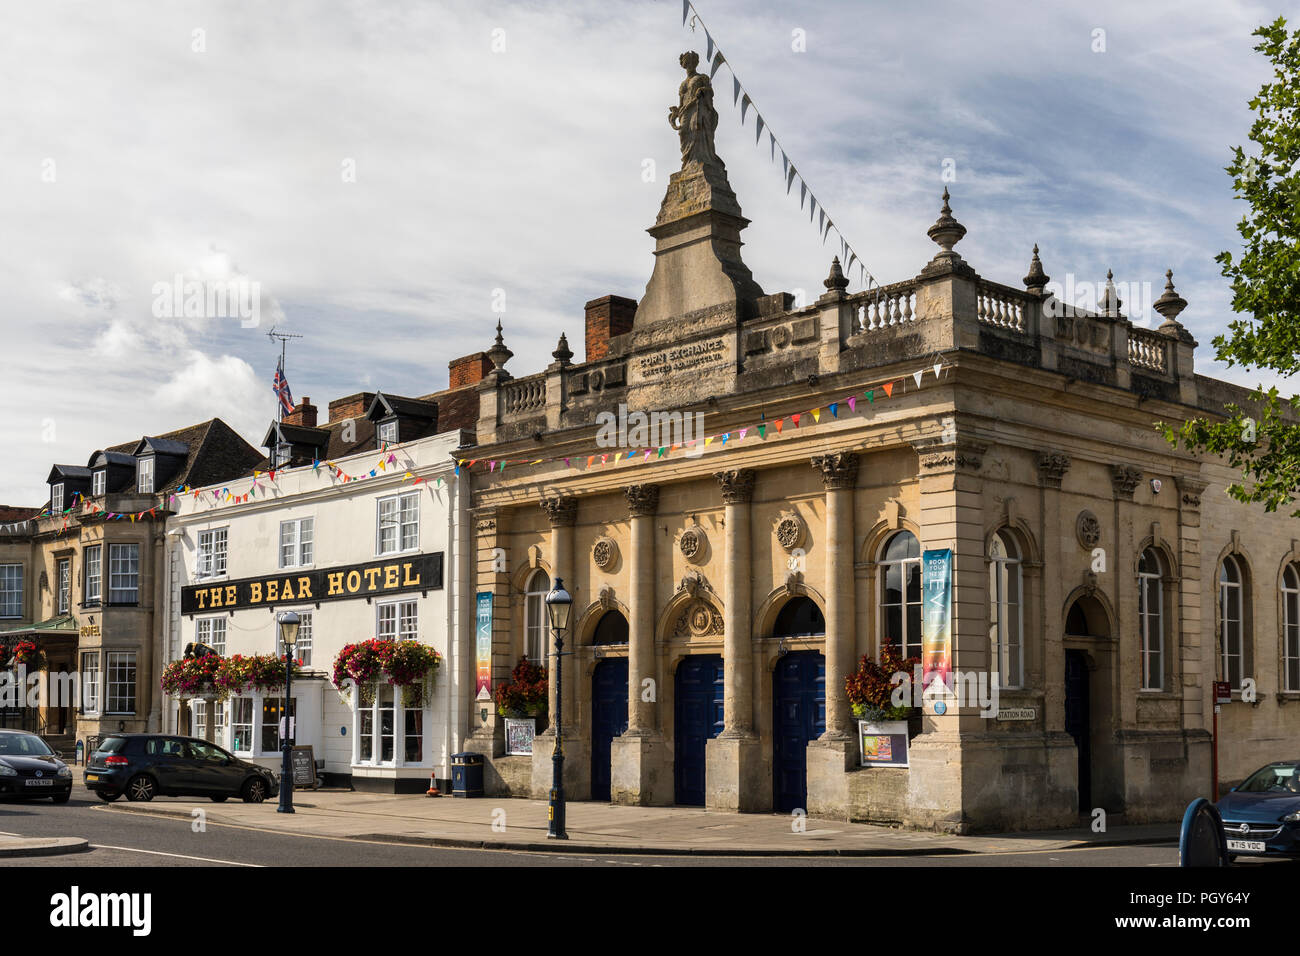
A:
x,y
433,786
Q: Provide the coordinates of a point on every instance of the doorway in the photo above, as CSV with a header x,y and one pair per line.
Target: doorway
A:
x,y
608,719
698,716
1078,719
799,715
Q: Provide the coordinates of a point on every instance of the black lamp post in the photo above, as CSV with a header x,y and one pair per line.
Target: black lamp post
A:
x,y
288,622
558,606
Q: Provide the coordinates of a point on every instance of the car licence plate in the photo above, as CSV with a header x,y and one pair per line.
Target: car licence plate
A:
x,y
32,782
1246,846
91,777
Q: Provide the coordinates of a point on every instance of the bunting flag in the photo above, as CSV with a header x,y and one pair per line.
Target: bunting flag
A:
x,y
889,389
917,375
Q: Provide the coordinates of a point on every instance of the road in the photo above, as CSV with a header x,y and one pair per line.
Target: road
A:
x,y
120,838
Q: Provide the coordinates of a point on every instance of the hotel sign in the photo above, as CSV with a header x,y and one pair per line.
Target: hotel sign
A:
x,y
420,572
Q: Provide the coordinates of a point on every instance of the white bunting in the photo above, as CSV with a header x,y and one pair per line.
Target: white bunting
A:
x,y
917,375
803,191
717,64
758,133
709,54
735,93
773,139
789,179
744,108
686,8
937,367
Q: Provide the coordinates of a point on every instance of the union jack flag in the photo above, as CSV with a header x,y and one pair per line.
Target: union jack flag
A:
x,y
281,388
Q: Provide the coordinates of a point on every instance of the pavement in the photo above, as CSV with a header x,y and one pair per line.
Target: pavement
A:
x,y
503,823
13,846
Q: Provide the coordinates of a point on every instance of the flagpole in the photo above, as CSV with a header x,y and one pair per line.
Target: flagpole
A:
x,y
284,338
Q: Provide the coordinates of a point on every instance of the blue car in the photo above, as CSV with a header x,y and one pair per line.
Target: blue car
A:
x,y
1261,816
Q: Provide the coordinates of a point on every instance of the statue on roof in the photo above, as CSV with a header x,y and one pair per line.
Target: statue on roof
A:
x,y
694,117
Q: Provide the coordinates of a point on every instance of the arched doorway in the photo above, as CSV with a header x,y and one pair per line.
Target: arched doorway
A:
x,y
1087,656
798,704
697,717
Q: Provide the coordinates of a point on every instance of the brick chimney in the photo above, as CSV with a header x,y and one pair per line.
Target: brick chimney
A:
x,y
353,406
468,369
304,414
608,316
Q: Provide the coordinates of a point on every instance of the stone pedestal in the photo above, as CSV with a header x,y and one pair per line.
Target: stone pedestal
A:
x,y
829,761
577,766
641,773
734,774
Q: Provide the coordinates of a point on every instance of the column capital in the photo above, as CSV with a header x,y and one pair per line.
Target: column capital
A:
x,y
1052,466
737,485
1189,490
641,499
561,510
839,470
1124,479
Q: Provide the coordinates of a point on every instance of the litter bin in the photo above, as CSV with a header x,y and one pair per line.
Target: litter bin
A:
x,y
466,775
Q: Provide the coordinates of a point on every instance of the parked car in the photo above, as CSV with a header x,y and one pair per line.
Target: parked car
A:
x,y
144,766
30,769
1261,816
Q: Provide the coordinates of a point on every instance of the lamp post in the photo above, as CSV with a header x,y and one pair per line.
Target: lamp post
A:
x,y
558,605
288,621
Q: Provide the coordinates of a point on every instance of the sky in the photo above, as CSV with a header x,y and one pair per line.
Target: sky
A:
x,y
391,178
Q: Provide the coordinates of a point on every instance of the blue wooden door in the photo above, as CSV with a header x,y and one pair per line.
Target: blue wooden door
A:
x,y
608,719
1077,719
697,717
799,714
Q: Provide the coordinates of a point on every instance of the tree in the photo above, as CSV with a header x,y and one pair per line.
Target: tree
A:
x,y
1265,290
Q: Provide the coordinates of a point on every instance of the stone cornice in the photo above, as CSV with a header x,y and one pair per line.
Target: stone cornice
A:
x,y
960,455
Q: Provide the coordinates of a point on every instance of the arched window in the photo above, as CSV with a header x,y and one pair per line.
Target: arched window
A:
x,y
900,595
535,626
1231,621
799,617
1291,628
1006,643
1151,619
610,629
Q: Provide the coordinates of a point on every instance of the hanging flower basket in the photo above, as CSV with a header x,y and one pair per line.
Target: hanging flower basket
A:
x,y
191,676
23,654
406,664
220,677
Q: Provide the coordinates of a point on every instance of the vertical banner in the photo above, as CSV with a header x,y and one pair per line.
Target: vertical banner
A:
x,y
483,644
936,616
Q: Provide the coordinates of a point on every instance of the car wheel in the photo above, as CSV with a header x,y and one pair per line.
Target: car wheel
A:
x,y
141,789
106,796
62,797
254,790
221,799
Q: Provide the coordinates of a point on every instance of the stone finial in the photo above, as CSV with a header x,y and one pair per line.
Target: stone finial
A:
x,y
642,499
737,485
1036,280
561,510
563,354
1110,302
946,231
1169,306
839,470
499,355
836,280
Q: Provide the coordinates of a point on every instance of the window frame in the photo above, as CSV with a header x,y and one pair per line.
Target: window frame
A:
x,y
1221,622
382,427
144,474
112,549
305,635
99,482
398,499
882,567
398,634
17,612
211,620
110,683
63,586
1290,618
91,697
297,544
1147,581
207,558
537,631
999,579
92,556
56,498
387,696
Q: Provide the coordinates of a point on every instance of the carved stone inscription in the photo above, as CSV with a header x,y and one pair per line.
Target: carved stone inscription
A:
x,y
684,358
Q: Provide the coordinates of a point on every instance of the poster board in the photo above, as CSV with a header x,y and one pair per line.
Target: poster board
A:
x,y
303,762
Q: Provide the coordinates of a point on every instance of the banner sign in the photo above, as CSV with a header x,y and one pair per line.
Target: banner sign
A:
x,y
420,572
483,644
936,616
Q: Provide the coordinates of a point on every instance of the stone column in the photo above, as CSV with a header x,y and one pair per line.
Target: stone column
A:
x,y
639,757
733,760
561,514
1195,639
832,754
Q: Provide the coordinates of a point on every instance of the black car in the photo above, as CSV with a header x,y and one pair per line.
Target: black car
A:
x,y
1261,816
29,768
144,766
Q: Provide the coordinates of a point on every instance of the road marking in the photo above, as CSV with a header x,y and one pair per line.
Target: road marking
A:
x,y
179,856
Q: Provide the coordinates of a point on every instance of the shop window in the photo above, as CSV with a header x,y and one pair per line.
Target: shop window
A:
x,y
241,724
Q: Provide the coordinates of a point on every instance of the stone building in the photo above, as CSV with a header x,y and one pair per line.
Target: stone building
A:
x,y
725,588
89,572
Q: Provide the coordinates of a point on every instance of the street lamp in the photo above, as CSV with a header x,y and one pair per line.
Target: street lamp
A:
x,y
558,606
289,622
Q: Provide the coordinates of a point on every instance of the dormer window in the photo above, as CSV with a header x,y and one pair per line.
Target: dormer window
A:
x,y
144,473
98,482
56,498
388,432
283,454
